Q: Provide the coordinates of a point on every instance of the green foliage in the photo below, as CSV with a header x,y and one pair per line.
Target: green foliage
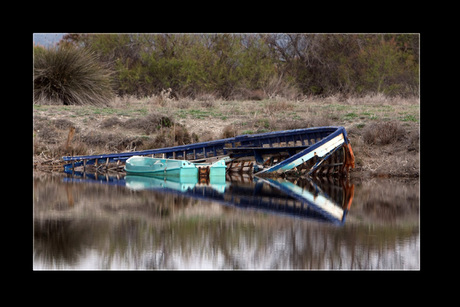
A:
x,y
351,64
70,76
387,69
236,65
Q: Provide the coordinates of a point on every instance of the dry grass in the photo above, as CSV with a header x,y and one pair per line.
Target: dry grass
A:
x,y
274,107
382,133
148,124
229,131
396,156
374,99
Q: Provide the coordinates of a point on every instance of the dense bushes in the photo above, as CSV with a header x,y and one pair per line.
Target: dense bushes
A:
x,y
243,66
192,65
350,64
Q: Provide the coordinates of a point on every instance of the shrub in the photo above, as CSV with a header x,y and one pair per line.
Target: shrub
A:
x,y
63,123
229,132
181,135
71,76
383,133
110,122
48,134
149,124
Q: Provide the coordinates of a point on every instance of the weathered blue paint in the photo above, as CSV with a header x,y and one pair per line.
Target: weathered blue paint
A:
x,y
242,145
321,149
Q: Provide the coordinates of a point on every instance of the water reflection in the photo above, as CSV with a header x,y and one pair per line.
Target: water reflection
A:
x,y
327,201
84,222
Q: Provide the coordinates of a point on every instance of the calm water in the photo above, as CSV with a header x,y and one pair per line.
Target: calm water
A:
x,y
109,223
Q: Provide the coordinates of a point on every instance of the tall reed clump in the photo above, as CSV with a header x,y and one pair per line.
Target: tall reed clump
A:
x,y
71,76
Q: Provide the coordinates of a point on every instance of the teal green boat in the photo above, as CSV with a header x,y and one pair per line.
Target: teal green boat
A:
x,y
172,168
216,169
160,167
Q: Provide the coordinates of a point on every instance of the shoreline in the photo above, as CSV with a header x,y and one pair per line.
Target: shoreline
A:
x,y
384,132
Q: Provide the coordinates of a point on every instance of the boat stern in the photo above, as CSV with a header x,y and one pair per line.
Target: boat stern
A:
x,y
218,169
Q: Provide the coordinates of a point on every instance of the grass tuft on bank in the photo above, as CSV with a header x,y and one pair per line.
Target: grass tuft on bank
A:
x,y
70,76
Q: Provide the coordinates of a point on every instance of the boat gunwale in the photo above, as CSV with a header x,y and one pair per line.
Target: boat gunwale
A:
x,y
220,142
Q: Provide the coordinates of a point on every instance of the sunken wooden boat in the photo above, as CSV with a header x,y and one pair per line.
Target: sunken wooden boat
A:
x,y
308,151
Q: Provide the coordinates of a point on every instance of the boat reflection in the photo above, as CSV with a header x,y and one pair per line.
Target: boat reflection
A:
x,y
326,200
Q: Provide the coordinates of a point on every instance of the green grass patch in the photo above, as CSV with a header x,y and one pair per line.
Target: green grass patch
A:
x,y
368,115
350,116
336,107
200,114
409,118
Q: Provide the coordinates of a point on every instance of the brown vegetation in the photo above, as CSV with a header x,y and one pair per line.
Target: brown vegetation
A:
x,y
382,133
